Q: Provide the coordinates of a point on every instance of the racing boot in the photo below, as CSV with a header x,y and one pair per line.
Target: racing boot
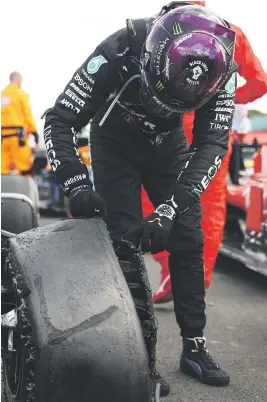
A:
x,y
134,270
197,362
164,292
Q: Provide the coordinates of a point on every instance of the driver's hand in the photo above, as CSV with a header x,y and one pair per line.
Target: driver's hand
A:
x,y
86,203
153,232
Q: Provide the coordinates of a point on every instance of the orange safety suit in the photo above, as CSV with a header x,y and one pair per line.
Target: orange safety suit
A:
x,y
213,201
84,153
15,112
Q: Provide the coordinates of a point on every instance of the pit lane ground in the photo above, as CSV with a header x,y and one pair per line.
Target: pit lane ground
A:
x,y
236,333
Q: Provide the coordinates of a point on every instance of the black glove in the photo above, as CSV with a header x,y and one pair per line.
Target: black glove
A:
x,y
85,202
36,138
153,232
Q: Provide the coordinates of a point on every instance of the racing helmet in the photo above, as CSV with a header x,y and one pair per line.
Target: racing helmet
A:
x,y
186,58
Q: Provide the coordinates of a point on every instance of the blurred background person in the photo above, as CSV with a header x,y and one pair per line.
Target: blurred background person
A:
x,y
16,152
241,122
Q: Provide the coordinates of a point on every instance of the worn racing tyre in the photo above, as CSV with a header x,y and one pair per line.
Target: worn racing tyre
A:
x,y
20,203
79,339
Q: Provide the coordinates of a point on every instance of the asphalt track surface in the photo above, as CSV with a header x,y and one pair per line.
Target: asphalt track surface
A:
x,y
236,333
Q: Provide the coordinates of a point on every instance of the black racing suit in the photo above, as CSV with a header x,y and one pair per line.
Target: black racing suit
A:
x,y
130,148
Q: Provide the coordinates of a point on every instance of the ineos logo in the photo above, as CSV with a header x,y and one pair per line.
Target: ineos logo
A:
x,y
206,179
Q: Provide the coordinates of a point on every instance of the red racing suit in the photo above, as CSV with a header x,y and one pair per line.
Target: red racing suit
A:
x,y
213,200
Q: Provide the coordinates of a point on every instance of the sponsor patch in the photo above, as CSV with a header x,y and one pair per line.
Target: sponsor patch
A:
x,y
201,187
223,117
51,153
79,91
90,79
95,63
230,85
82,83
69,105
74,97
225,109
214,126
74,179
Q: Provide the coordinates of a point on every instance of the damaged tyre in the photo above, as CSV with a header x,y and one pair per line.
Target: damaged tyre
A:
x,y
18,350
76,334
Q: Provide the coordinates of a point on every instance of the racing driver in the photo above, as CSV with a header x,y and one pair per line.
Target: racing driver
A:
x,y
135,87
213,201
